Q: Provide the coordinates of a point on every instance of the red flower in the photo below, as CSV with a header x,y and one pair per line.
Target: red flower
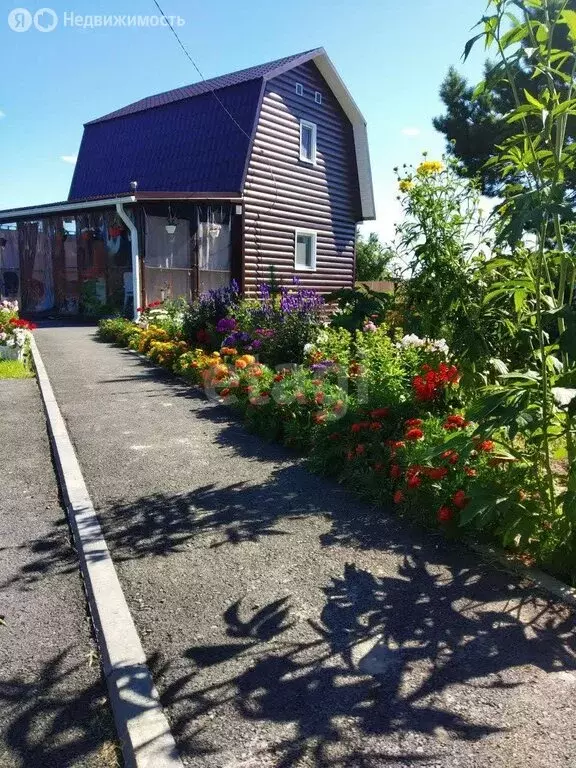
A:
x,y
378,467
456,421
398,497
414,481
437,473
320,418
445,514
279,377
460,499
470,471
452,456
486,445
350,455
360,449
395,472
431,384
225,392
413,422
380,413
375,426
356,427
414,434
319,398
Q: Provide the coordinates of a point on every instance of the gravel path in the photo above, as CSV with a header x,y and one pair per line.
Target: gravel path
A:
x,y
53,708
286,623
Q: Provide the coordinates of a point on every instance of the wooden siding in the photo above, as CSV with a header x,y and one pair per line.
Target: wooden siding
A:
x,y
282,193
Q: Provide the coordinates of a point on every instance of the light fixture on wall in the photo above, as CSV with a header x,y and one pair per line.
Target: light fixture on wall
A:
x,y
171,223
214,230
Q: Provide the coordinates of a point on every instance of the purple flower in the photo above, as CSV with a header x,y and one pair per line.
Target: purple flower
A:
x,y
226,324
322,366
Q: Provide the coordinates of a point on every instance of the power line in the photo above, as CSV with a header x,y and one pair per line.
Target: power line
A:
x,y
197,68
236,123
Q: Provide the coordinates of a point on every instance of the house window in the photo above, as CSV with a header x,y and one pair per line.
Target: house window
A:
x,y
308,142
299,89
305,250
318,97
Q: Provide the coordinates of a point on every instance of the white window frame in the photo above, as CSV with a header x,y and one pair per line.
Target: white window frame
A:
x,y
299,89
317,97
313,127
314,235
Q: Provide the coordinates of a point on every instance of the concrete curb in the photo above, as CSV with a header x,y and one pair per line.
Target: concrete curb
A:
x,y
140,721
539,579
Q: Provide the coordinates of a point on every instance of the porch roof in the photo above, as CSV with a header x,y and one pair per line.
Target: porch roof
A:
x,y
65,207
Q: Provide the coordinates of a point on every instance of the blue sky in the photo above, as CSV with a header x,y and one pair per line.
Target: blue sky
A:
x,y
391,55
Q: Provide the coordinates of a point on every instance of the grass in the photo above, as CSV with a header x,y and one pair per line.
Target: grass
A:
x,y
14,369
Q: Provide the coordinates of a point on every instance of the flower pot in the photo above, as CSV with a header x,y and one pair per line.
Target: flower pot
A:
x,y
11,353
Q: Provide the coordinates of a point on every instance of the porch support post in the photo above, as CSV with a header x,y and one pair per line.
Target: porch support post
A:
x,y
135,256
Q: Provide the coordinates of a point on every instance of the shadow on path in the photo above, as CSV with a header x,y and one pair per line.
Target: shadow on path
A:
x,y
55,720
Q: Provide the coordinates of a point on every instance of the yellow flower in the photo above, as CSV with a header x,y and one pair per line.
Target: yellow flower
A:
x,y
429,167
406,185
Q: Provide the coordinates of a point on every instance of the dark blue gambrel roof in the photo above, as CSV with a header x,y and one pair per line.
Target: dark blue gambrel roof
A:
x,y
178,141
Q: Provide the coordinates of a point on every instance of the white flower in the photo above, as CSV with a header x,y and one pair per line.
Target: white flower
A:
x,y
429,345
308,348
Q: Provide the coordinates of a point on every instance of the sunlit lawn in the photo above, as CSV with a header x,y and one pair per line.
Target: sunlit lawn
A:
x,y
14,369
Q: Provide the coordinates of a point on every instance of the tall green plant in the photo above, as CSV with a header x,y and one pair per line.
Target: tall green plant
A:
x,y
532,221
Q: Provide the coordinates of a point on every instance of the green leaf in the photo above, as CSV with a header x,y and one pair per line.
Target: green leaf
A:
x,y
519,299
470,44
532,100
568,17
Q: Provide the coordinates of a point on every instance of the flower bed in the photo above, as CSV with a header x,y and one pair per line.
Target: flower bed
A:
x,y
14,332
381,413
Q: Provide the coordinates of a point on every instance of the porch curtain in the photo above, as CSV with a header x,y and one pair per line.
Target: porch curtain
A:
x,y
27,242
214,246
56,230
168,259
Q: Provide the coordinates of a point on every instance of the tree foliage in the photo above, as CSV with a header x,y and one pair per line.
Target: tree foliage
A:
x,y
373,259
475,123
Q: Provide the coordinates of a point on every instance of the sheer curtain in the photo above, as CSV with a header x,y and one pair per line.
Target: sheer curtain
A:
x,y
167,263
214,247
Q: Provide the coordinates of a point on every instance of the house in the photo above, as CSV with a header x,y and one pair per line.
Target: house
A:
x,y
181,192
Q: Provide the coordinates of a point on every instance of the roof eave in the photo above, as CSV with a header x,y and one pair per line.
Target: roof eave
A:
x,y
330,74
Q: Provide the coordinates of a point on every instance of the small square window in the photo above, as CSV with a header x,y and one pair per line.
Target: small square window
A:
x,y
318,97
299,89
308,142
305,250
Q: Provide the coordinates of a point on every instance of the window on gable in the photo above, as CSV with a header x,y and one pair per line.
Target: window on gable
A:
x,y
318,97
305,250
308,142
299,89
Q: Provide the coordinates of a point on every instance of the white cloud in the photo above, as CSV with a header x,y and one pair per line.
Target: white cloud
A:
x,y
2,114
69,159
410,131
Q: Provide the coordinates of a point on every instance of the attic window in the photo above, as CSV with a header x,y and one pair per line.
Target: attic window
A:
x,y
299,89
308,142
318,97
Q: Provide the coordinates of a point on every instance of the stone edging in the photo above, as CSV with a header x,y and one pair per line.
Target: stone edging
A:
x,y
142,726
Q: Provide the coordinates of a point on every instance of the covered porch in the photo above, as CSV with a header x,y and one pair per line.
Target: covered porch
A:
x,y
110,256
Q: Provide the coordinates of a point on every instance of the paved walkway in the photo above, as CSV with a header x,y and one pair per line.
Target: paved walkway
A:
x,y
53,709
287,624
